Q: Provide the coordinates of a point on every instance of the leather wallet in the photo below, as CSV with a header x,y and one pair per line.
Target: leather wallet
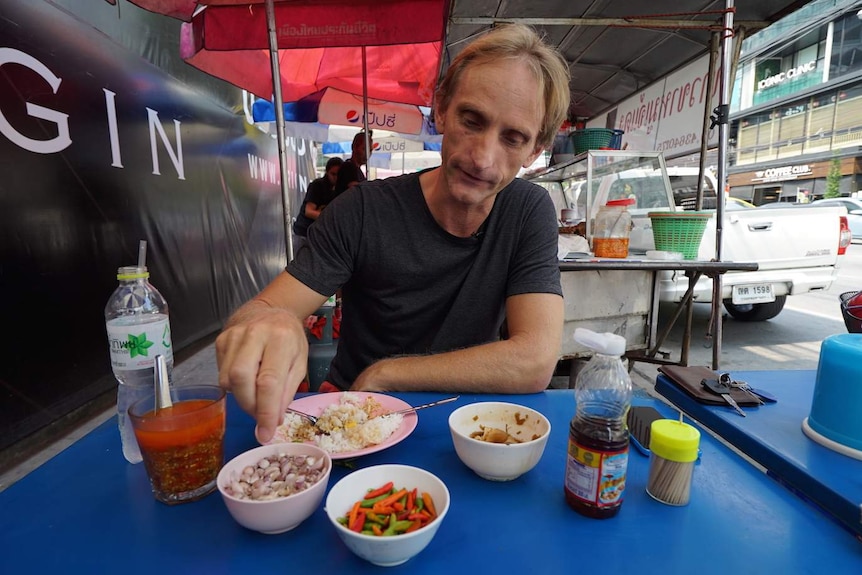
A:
x,y
688,379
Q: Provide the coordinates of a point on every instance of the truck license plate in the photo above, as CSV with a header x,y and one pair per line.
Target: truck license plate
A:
x,y
752,293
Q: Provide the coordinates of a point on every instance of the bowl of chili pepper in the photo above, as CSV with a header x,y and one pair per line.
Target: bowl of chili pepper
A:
x,y
273,488
387,514
499,441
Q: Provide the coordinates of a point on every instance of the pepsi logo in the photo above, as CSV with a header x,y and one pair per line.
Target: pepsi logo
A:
x,y
375,146
352,116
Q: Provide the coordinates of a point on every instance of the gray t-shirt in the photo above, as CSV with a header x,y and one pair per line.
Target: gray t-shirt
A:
x,y
408,286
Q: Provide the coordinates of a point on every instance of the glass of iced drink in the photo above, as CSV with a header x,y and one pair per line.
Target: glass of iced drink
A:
x,y
182,445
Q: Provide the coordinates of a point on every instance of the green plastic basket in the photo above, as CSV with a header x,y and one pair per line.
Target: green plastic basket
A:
x,y
679,232
595,139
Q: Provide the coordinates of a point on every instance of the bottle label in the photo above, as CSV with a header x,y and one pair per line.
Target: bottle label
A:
x,y
136,346
596,477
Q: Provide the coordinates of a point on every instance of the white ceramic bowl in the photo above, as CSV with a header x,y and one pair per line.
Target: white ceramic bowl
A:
x,y
386,551
499,461
278,515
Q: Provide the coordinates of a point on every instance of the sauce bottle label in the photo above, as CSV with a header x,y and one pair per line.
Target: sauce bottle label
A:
x,y
136,346
596,477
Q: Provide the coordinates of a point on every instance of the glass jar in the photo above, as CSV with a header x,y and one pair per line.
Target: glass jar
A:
x,y
611,233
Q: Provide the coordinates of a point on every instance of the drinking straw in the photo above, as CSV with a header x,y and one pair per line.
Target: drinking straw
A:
x,y
142,254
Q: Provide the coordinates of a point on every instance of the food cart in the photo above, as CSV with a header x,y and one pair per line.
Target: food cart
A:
x,y
620,295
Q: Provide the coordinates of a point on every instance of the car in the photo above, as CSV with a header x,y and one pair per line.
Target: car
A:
x,y
854,212
732,203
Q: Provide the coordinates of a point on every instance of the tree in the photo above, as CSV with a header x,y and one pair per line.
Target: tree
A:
x,y
833,179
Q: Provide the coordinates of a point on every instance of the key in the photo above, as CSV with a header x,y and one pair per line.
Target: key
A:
x,y
745,388
722,389
763,396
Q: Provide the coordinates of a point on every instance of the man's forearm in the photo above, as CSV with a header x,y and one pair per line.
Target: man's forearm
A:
x,y
500,367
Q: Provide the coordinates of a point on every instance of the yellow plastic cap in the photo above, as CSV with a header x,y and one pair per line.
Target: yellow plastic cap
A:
x,y
674,440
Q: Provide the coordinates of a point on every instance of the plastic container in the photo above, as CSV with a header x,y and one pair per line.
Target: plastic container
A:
x,y
611,232
679,231
139,329
673,449
596,139
598,448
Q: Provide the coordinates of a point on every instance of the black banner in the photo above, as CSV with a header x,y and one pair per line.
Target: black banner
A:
x,y
107,138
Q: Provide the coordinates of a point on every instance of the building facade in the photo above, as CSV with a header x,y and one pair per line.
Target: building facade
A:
x,y
796,111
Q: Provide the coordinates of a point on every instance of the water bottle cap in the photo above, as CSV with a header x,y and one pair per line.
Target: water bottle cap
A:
x,y
604,343
132,273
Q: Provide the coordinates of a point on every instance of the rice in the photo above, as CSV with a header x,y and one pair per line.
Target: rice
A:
x,y
351,424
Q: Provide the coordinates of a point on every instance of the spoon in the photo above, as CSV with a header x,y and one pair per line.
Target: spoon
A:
x,y
313,420
162,384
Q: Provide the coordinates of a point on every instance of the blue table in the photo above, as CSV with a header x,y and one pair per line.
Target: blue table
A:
x,y
88,511
772,435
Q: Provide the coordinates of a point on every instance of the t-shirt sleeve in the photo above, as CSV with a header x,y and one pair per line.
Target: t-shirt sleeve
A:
x,y
327,262
535,267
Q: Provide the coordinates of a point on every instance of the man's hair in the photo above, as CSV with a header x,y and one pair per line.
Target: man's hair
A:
x,y
333,162
360,137
522,43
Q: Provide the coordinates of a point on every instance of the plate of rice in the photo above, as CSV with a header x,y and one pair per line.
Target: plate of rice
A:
x,y
350,423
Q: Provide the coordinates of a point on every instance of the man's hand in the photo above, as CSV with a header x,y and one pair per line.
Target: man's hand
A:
x,y
262,358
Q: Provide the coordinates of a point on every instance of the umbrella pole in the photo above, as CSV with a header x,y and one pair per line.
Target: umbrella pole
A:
x,y
365,110
279,125
723,136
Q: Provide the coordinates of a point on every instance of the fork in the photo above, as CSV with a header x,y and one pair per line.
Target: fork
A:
x,y
313,420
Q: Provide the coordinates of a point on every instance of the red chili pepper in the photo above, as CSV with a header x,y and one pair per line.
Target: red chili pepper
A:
x,y
411,500
397,506
379,491
376,529
416,525
358,522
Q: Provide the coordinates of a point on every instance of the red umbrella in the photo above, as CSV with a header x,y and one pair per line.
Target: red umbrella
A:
x,y
383,49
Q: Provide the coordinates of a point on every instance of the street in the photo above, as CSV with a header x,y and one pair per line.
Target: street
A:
x,y
789,341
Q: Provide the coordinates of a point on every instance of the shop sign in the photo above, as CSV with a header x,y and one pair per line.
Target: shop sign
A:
x,y
668,115
782,173
790,74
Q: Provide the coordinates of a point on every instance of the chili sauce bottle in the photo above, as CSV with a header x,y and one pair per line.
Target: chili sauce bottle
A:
x,y
598,450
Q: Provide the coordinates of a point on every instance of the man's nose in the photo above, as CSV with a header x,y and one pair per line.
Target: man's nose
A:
x,y
482,149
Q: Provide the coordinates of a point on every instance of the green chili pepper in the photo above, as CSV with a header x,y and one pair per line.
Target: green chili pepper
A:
x,y
372,501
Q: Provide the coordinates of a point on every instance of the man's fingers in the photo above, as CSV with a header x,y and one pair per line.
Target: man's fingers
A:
x,y
276,384
238,357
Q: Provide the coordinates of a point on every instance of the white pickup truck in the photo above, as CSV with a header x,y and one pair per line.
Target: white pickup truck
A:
x,y
797,248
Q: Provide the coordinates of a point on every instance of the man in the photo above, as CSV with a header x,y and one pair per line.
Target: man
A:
x,y
351,172
320,192
429,264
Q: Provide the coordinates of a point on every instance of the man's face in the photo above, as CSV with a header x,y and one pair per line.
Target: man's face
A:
x,y
490,129
332,174
359,153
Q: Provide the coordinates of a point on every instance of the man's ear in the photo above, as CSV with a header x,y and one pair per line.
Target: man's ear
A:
x,y
533,157
439,116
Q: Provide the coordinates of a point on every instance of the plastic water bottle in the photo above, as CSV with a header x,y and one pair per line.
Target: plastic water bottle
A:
x,y
598,451
138,328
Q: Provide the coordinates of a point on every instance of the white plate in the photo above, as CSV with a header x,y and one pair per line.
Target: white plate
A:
x,y
315,404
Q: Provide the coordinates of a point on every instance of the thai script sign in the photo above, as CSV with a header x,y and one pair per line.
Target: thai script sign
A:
x,y
668,115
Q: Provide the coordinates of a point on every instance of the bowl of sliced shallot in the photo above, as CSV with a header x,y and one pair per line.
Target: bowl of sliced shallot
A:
x,y
274,488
